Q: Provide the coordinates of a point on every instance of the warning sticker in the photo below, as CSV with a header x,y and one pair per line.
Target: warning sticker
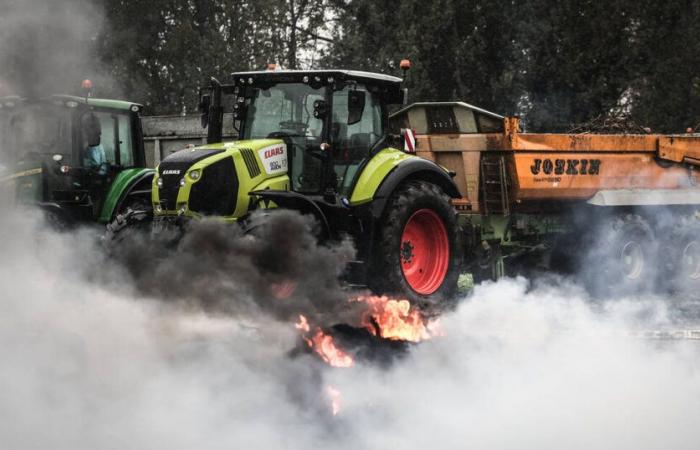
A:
x,y
274,158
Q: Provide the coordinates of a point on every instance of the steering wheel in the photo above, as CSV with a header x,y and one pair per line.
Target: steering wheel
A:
x,y
281,135
299,127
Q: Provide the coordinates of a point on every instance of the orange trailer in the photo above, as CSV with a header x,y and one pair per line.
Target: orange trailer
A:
x,y
516,184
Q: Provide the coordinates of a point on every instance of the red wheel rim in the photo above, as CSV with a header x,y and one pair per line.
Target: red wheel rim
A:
x,y
424,252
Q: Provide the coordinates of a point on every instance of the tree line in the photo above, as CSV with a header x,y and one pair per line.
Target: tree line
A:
x,y
554,63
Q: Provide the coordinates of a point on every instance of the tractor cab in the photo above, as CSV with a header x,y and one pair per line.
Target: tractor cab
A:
x,y
68,154
331,121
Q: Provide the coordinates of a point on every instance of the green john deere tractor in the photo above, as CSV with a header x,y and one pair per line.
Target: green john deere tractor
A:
x,y
79,159
317,142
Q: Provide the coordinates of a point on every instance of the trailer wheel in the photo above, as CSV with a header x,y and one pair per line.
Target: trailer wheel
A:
x,y
690,257
622,262
418,253
686,257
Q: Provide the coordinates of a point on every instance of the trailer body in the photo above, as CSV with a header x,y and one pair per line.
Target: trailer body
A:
x,y
523,191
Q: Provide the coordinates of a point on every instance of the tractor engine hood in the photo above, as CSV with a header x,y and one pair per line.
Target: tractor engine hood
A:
x,y
215,180
173,169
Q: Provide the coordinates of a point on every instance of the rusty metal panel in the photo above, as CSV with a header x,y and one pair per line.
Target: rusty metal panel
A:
x,y
554,175
460,142
586,142
680,148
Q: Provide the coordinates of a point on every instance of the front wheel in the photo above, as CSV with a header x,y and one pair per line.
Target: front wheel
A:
x,y
418,254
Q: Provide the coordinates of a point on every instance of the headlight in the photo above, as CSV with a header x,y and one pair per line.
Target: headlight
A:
x,y
195,174
157,208
182,181
159,182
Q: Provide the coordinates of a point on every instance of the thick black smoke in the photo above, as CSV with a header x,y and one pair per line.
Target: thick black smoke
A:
x,y
276,267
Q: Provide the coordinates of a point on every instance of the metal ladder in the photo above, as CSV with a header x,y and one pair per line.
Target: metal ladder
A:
x,y
494,185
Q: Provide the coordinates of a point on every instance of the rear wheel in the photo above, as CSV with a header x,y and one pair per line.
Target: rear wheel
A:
x,y
621,262
418,253
685,257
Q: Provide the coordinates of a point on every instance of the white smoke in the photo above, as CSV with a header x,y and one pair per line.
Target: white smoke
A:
x,y
86,364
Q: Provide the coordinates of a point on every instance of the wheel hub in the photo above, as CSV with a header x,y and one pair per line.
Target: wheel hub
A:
x,y
632,258
406,252
425,252
691,260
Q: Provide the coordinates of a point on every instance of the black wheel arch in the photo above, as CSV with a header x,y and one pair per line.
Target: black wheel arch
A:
x,y
298,202
414,169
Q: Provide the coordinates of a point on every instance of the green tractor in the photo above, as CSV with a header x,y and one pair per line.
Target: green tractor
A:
x,y
79,159
318,142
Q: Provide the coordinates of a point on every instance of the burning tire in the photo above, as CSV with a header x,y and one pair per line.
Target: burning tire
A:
x,y
418,253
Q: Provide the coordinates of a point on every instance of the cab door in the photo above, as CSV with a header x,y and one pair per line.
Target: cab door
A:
x,y
353,134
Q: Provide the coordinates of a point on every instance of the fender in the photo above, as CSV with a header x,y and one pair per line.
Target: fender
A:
x,y
297,202
122,187
646,197
412,169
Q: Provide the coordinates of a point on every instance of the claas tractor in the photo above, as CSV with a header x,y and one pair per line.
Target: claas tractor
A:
x,y
317,142
79,159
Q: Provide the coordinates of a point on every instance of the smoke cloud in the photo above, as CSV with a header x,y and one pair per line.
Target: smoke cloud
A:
x,y
277,267
48,47
188,346
92,361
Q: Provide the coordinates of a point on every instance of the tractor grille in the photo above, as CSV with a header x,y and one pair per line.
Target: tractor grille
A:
x,y
216,193
171,173
173,168
250,162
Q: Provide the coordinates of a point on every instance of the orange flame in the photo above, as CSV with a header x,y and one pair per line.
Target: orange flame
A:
x,y
324,345
303,324
394,319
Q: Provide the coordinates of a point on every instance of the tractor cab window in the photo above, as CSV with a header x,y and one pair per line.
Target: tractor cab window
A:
x,y
114,147
351,143
286,111
34,132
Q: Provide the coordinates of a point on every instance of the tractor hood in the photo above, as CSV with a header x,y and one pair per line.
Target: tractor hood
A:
x,y
215,179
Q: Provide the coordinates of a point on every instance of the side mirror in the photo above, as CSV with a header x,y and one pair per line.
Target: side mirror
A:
x,y
356,106
92,129
204,105
320,109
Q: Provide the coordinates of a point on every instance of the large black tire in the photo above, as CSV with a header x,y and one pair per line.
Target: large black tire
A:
x,y
621,259
418,213
129,225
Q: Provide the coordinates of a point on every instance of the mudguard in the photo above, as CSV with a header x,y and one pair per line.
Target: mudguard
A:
x,y
645,197
412,169
122,187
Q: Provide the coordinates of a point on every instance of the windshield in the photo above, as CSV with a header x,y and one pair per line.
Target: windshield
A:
x,y
32,131
283,108
286,111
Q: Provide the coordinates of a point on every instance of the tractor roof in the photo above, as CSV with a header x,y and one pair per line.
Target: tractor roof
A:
x,y
294,75
13,100
389,85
